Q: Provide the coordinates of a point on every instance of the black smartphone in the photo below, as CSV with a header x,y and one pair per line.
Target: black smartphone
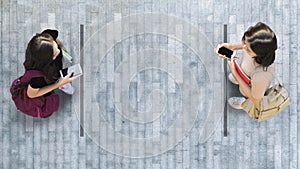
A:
x,y
225,51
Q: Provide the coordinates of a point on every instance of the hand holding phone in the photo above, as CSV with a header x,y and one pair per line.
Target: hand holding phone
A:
x,y
226,52
76,69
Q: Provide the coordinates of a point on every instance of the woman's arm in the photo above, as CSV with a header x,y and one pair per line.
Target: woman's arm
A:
x,y
60,44
232,46
37,92
244,87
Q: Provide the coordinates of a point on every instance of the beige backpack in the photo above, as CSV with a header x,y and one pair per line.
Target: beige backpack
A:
x,y
276,99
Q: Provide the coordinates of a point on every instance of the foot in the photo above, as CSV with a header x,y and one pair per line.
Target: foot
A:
x,y
232,79
236,102
67,88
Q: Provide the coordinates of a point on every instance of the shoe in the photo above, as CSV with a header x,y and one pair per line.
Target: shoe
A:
x,y
236,102
68,88
232,79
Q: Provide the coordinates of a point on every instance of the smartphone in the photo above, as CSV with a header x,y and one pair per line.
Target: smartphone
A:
x,y
75,68
225,51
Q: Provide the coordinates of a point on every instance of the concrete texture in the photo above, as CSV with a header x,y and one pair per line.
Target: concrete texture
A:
x,y
152,88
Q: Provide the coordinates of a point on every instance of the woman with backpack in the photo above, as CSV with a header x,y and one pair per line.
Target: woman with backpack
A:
x,y
43,53
258,47
33,93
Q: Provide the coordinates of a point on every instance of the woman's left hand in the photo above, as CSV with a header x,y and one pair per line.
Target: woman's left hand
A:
x,y
231,64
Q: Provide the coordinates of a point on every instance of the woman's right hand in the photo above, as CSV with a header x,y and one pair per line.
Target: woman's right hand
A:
x,y
37,92
67,79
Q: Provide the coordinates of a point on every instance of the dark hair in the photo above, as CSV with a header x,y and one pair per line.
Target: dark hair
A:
x,y
39,55
263,42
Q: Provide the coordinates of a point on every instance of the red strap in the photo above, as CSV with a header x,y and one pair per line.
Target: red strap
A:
x,y
241,72
39,113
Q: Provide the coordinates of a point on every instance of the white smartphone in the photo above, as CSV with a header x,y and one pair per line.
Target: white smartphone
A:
x,y
75,68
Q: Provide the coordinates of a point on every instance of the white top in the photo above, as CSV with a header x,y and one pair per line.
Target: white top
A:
x,y
260,80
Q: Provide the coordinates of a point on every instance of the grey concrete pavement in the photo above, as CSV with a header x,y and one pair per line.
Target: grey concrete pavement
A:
x,y
151,92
